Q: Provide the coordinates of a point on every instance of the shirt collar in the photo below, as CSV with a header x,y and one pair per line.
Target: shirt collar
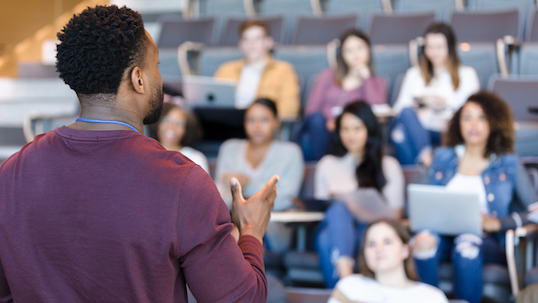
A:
x,y
459,150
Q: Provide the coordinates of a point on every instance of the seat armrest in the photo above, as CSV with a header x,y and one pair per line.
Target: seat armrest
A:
x,y
529,231
29,119
505,47
183,56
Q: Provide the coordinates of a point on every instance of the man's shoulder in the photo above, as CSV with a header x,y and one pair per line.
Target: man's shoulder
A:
x,y
28,150
232,64
282,65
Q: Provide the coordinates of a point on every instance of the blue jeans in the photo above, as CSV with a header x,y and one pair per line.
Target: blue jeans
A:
x,y
314,137
467,259
338,235
409,137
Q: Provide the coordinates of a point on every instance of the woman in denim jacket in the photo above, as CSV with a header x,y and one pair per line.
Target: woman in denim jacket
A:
x,y
479,158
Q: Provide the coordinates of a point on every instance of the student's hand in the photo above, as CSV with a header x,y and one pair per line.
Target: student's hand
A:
x,y
490,224
533,207
362,71
426,158
252,216
243,179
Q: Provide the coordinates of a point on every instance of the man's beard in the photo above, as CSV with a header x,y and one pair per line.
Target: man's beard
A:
x,y
156,105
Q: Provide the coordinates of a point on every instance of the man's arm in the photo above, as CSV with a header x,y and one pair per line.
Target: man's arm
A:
x,y
5,292
215,267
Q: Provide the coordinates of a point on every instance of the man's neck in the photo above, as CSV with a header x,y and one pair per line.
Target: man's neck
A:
x,y
104,112
261,61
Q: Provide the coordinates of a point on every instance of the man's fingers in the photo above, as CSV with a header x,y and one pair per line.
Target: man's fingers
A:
x,y
271,196
235,187
269,187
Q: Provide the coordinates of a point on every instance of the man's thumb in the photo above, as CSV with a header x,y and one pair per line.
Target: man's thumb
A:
x,y
236,189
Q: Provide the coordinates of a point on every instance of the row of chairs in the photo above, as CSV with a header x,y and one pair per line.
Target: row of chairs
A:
x,y
314,30
390,62
22,98
318,7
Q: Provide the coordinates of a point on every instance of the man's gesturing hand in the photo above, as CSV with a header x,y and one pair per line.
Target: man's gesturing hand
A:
x,y
252,215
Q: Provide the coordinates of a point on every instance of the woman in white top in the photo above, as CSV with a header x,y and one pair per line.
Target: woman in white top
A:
x,y
357,160
178,130
430,93
387,270
257,159
479,158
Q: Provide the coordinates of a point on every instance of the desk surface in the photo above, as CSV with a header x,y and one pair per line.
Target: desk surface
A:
x,y
296,216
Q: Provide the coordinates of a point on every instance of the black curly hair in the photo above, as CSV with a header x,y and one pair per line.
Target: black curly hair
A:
x,y
501,124
97,46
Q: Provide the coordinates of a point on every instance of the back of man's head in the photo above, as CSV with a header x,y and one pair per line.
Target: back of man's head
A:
x,y
97,46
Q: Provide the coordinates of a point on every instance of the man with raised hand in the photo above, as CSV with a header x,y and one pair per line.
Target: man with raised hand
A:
x,y
97,212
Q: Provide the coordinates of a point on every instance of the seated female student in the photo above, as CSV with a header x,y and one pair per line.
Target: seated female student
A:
x,y
357,161
429,94
353,79
259,157
387,270
178,130
478,158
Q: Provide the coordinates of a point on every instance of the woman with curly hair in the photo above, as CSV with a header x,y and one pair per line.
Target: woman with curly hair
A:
x,y
479,157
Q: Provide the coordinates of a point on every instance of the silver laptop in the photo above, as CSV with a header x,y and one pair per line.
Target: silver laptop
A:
x,y
444,212
200,91
366,204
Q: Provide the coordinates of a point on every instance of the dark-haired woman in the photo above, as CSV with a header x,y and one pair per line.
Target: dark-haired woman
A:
x,y
387,270
179,130
251,161
479,158
430,93
357,161
353,79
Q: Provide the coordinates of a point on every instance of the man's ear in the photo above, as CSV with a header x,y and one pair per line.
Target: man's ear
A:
x,y
137,81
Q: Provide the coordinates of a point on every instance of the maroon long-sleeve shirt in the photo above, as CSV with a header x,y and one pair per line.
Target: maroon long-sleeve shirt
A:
x,y
111,216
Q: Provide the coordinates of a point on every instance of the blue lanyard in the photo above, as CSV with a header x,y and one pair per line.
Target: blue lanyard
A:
x,y
107,121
